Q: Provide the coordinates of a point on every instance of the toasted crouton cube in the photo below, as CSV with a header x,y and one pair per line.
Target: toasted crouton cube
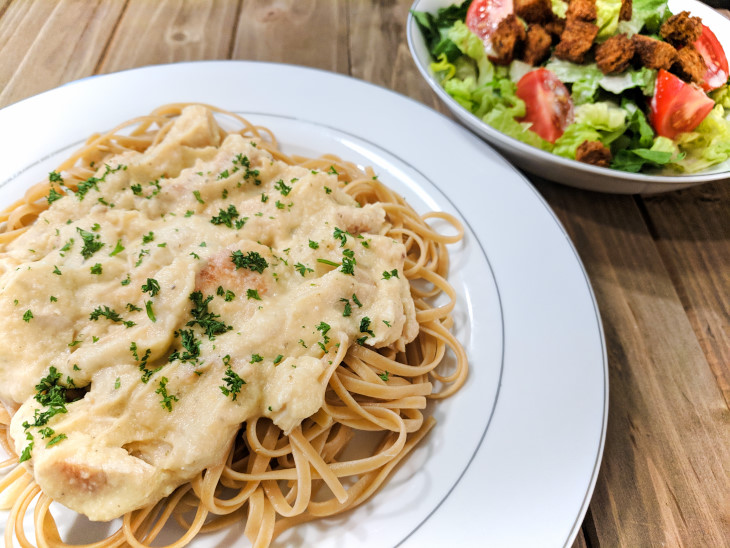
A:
x,y
537,45
681,29
615,54
576,40
533,11
690,65
555,27
585,10
654,54
507,39
627,9
594,153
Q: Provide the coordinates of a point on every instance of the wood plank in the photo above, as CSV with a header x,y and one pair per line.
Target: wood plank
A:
x,y
169,31
390,65
45,44
312,33
692,228
664,477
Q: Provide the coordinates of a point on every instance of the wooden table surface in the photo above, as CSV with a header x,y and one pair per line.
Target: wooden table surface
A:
x,y
659,265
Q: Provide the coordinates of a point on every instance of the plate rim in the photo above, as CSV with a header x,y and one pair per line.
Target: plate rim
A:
x,y
467,135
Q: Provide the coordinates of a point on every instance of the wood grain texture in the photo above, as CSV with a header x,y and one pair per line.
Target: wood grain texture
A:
x,y
692,228
311,33
169,31
664,478
44,44
379,50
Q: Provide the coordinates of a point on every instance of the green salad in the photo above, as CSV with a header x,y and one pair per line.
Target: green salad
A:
x,y
630,86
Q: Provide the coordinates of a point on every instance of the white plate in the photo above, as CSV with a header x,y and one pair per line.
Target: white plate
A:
x,y
520,445
562,170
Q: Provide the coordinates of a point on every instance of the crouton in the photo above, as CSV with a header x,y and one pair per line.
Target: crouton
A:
x,y
533,11
537,45
585,10
690,66
576,40
681,29
593,152
654,54
627,8
615,54
507,39
555,27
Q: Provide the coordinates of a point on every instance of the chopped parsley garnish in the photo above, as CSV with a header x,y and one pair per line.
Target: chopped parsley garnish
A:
x,y
313,244
190,344
84,186
386,322
117,383
302,269
365,326
28,316
53,195
96,269
66,247
91,243
227,218
278,359
196,193
384,376
328,262
256,358
55,177
341,235
333,171
253,294
356,300
227,294
109,314
204,318
264,197
251,260
348,309
281,186
136,189
166,401
233,383
53,299
147,238
152,287
117,248
150,312
392,274
133,308
327,190
56,439
348,265
324,329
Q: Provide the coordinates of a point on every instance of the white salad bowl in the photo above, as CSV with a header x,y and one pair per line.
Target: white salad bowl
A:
x,y
555,168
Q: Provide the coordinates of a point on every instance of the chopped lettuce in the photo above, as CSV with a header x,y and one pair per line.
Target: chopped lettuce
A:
x,y
602,121
707,145
586,79
645,13
607,12
560,8
434,29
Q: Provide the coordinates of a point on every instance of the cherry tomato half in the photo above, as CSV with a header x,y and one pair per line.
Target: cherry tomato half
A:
x,y
483,16
549,107
677,106
717,68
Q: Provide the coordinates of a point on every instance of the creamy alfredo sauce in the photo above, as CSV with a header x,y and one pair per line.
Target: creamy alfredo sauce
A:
x,y
193,287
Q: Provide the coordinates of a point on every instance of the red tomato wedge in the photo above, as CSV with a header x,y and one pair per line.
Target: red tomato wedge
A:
x,y
677,106
483,16
717,68
549,107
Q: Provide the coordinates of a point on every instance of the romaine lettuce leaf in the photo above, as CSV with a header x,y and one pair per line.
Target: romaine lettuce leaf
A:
x,y
607,12
434,28
707,145
645,13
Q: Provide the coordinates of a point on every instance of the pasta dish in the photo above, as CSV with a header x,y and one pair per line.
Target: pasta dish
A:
x,y
198,327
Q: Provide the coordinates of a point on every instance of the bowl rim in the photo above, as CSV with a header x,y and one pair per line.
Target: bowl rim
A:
x,y
490,134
